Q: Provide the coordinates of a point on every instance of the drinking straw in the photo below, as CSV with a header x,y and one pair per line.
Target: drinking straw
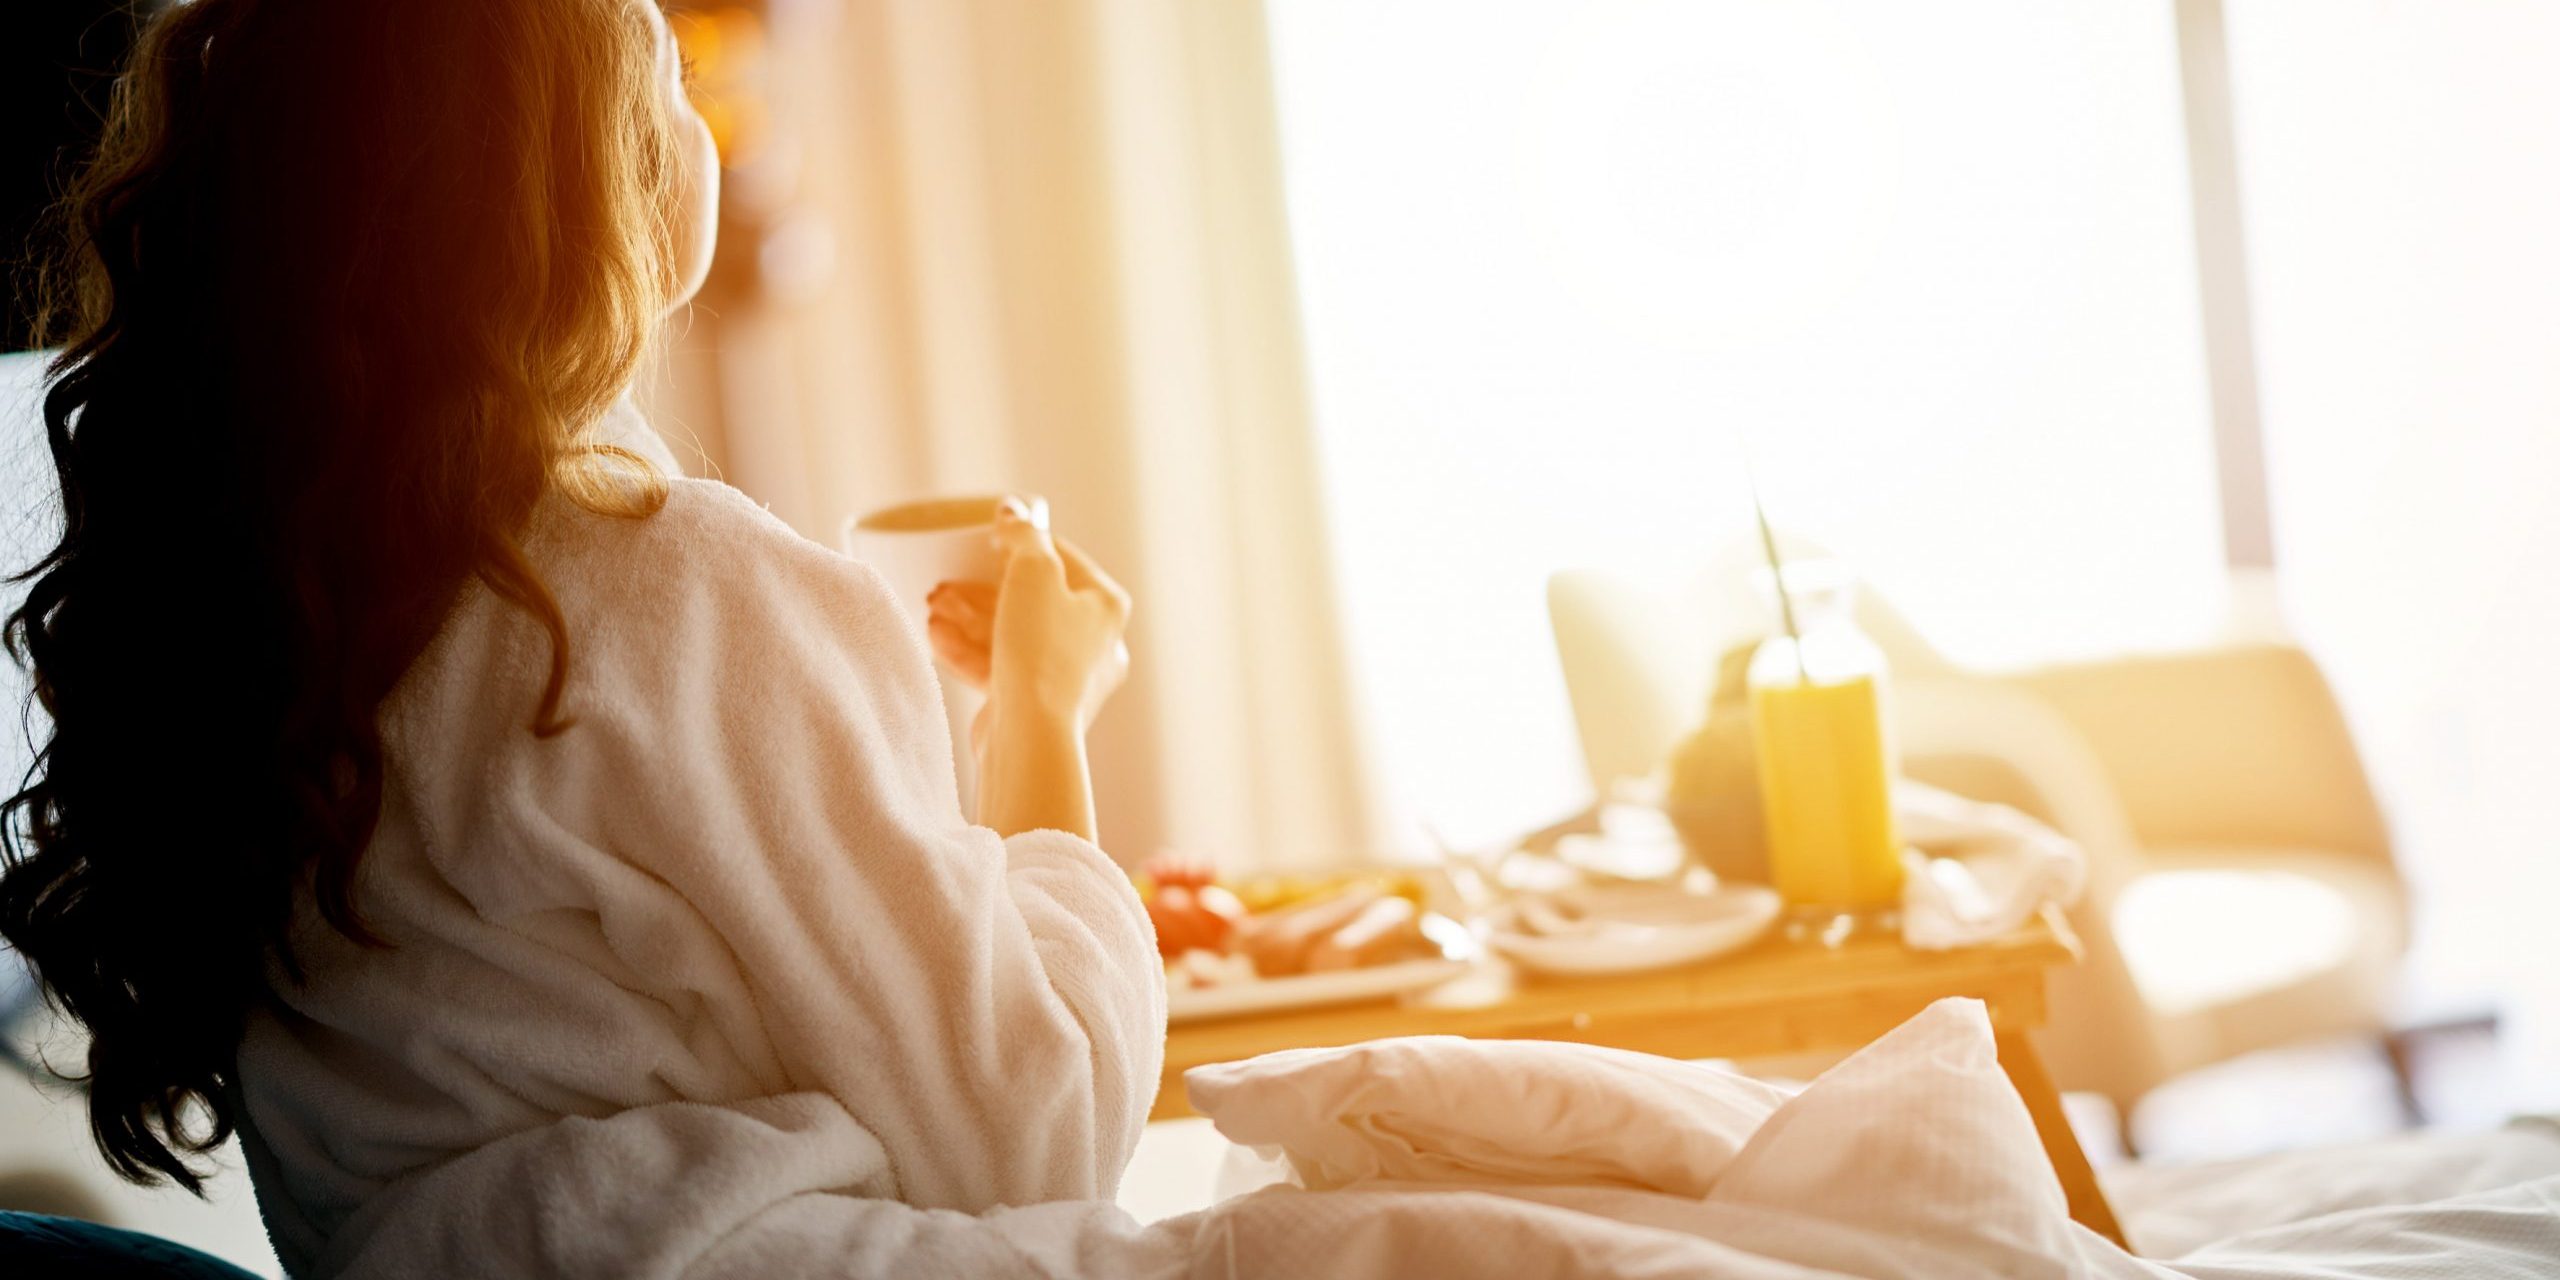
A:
x,y
1777,575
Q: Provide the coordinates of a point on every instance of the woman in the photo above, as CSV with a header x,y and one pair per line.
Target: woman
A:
x,y
544,864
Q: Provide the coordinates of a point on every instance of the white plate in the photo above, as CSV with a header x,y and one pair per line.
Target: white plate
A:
x,y
1637,928
1308,990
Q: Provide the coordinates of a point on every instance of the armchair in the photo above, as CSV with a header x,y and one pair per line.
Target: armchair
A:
x,y
2242,893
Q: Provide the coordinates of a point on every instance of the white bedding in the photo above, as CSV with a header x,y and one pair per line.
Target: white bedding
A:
x,y
2175,1210
1912,1158
1577,1232
1184,1166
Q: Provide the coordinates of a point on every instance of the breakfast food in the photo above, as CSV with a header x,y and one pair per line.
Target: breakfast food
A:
x,y
1274,893
1280,941
1193,970
1208,936
1386,930
1193,919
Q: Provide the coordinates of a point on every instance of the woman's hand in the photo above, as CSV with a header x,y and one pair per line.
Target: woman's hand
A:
x,y
1046,644
1050,633
1059,623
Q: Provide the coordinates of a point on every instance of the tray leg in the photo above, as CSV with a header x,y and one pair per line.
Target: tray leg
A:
x,y
2070,1164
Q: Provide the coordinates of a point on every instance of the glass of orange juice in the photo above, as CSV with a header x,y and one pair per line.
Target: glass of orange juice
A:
x,y
1826,760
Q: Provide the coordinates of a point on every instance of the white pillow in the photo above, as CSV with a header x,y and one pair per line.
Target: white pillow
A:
x,y
1920,1142
1913,1157
1446,1109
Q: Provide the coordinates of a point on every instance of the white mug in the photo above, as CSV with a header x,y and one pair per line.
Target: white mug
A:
x,y
917,545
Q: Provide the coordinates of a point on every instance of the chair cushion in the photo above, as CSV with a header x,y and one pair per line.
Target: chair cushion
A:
x,y
32,1244
2206,928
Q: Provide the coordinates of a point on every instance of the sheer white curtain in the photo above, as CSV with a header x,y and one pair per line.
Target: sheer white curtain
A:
x,y
1055,260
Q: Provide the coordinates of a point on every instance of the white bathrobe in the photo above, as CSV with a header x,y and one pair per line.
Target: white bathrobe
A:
x,y
726,941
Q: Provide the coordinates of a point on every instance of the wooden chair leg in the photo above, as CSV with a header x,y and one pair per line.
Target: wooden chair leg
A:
x,y
2399,1049
2080,1189
2398,1052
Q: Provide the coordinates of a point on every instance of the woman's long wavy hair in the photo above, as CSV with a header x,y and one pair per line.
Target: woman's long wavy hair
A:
x,y
346,291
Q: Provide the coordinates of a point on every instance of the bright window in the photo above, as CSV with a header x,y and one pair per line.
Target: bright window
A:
x,y
1559,260
2401,177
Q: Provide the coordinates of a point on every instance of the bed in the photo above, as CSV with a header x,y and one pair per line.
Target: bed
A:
x,y
1907,1160
1184,1166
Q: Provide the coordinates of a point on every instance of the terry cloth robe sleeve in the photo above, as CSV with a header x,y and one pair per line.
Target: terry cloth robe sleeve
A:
x,y
990,1009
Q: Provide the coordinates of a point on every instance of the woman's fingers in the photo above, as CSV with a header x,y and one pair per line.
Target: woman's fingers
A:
x,y
970,656
970,604
1027,546
1022,532
960,619
1084,575
1056,620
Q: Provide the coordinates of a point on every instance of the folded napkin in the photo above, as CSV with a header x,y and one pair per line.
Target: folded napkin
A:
x,y
1976,871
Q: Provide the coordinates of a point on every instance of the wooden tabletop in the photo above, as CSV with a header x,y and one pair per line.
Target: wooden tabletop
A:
x,y
1777,997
